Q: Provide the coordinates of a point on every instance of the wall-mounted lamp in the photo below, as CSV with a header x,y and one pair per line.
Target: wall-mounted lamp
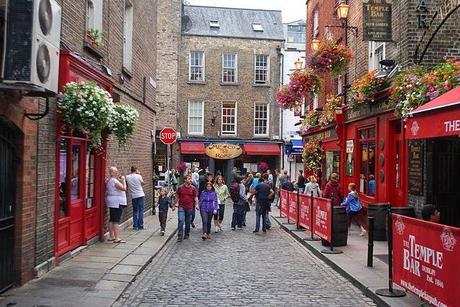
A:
x,y
214,114
298,64
342,11
315,44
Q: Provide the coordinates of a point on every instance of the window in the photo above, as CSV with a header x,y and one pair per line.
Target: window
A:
x,y
128,36
196,66
261,69
315,24
94,14
376,54
315,101
63,190
90,178
228,118
195,117
214,24
229,68
367,183
296,34
261,119
257,27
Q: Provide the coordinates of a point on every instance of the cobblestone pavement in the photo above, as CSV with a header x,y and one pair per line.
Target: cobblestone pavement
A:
x,y
240,268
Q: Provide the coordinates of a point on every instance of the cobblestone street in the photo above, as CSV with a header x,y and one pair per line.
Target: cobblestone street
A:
x,y
240,268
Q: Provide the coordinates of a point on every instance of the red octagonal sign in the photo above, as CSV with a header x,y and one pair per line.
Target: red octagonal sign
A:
x,y
168,135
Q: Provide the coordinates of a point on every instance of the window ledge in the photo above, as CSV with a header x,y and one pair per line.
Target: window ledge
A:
x,y
230,83
197,82
261,136
227,135
261,84
92,50
127,72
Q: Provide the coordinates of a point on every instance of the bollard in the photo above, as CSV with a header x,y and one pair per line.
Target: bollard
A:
x,y
370,244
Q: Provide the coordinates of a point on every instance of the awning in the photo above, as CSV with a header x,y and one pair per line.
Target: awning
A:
x,y
297,146
437,118
192,148
262,149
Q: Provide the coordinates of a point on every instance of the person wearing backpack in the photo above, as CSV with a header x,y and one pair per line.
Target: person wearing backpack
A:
x,y
238,196
353,206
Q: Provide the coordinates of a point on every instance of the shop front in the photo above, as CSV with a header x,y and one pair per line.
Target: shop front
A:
x,y
227,157
433,133
80,170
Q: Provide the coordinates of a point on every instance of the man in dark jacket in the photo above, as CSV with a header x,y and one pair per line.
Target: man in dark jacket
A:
x,y
264,196
333,190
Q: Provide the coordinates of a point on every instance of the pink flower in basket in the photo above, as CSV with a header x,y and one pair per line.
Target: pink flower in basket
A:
x,y
263,166
181,167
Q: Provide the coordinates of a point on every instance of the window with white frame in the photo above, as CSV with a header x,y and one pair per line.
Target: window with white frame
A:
x,y
261,114
195,117
262,67
315,24
228,118
229,68
376,54
94,15
128,36
196,66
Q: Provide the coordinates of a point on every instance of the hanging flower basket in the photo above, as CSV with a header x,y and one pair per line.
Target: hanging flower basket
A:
x,y
286,99
123,120
328,115
263,166
366,88
181,167
304,82
331,57
87,108
310,120
312,155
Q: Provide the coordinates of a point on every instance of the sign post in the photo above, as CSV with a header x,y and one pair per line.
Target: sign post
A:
x,y
168,136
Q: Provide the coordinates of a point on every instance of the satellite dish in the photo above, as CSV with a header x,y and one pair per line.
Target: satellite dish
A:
x,y
43,63
45,16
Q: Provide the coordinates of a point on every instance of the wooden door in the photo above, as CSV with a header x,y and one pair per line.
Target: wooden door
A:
x,y
395,160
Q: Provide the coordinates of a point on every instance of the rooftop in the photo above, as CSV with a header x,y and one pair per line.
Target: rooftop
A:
x,y
232,22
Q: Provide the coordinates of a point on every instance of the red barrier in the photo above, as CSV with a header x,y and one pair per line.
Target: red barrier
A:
x,y
293,207
305,211
425,259
284,203
322,226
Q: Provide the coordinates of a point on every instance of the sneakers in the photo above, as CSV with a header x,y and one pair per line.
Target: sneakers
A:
x,y
233,228
186,237
239,228
162,233
179,239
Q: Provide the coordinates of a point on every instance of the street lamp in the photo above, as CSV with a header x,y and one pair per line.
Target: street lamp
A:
x,y
342,11
315,44
214,114
298,64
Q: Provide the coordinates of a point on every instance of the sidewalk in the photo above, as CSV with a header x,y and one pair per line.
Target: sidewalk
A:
x,y
352,263
98,274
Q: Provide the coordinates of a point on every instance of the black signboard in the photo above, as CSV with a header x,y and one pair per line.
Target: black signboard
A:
x,y
415,173
377,21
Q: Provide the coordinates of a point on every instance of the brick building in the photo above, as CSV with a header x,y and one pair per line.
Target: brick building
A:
x,y
229,72
371,139
48,222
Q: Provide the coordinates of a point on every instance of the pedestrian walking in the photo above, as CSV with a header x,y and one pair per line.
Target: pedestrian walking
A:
x,y
135,183
208,207
352,207
301,182
115,199
264,195
173,181
164,203
239,199
222,195
270,178
312,187
333,190
186,202
196,178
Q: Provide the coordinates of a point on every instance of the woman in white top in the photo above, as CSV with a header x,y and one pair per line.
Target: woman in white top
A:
x,y
312,187
115,198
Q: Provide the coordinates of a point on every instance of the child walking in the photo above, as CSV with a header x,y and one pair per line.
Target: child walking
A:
x,y
353,206
164,203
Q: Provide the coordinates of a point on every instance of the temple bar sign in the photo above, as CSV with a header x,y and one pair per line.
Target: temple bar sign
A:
x,y
377,21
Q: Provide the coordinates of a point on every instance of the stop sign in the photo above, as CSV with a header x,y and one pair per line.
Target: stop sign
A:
x,y
168,135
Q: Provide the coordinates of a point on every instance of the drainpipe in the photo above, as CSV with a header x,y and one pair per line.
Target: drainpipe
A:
x,y
281,58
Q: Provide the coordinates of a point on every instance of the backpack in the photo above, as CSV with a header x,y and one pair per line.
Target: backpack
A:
x,y
235,192
287,185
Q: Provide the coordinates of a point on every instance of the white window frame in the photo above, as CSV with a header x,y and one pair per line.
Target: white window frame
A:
x,y
268,119
128,36
222,118
315,23
235,67
202,118
94,14
267,81
203,66
373,60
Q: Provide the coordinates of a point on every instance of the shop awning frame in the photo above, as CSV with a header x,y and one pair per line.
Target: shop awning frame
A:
x,y
192,148
262,149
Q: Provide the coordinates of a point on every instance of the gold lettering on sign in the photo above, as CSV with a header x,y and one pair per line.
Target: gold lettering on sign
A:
x,y
223,151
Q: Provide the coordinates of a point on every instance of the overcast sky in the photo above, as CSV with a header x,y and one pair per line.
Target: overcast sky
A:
x,y
292,9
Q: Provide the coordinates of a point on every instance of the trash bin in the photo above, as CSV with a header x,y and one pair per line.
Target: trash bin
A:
x,y
379,212
340,227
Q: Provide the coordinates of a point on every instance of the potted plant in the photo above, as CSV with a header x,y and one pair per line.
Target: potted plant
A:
x,y
331,57
94,37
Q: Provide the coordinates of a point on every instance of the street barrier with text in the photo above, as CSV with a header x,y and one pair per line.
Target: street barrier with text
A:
x,y
322,214
305,211
292,207
284,203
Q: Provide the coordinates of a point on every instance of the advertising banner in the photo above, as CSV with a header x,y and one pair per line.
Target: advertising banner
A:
x,y
293,207
322,210
425,260
305,211
284,203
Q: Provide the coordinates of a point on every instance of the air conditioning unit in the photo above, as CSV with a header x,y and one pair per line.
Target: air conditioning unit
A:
x,y
32,42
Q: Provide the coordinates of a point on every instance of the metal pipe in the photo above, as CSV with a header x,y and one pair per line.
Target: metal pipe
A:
x,y
370,244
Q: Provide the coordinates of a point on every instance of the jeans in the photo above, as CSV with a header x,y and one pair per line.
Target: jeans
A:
x,y
238,215
184,217
206,218
162,217
138,212
192,218
261,212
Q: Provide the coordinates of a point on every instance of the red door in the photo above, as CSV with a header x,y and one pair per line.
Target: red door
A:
x,y
396,163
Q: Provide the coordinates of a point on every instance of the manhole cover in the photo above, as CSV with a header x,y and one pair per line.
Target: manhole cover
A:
x,y
70,282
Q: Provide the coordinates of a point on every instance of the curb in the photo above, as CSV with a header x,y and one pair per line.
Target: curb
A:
x,y
364,289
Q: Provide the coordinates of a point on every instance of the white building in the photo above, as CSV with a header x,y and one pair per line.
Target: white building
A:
x,y
294,49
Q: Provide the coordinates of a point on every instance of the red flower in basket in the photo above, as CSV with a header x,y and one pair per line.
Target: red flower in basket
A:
x,y
331,57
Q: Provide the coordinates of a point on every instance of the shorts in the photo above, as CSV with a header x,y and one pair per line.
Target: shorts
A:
x,y
115,215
